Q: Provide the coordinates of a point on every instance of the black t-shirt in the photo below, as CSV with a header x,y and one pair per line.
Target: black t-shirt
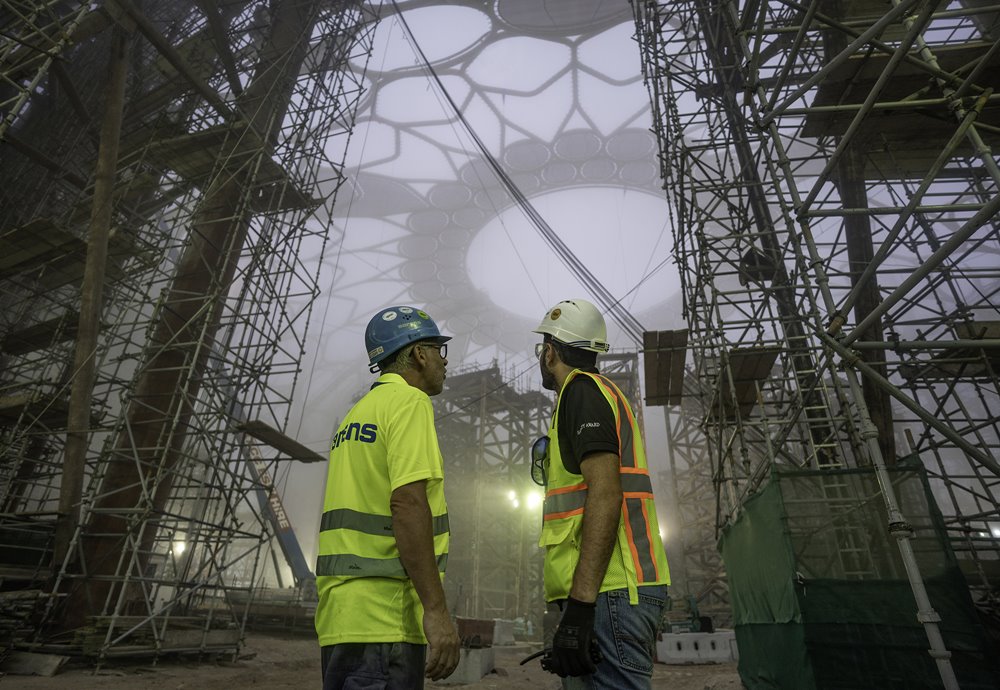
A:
x,y
586,422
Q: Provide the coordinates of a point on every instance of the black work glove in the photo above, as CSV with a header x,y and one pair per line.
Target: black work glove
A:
x,y
571,647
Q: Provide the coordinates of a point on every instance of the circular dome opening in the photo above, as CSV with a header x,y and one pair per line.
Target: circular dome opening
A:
x,y
620,235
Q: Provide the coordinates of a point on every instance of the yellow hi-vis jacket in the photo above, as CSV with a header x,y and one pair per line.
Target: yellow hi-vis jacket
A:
x,y
638,558
386,441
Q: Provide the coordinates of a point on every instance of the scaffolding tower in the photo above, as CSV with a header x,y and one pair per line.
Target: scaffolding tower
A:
x,y
154,304
486,425
832,170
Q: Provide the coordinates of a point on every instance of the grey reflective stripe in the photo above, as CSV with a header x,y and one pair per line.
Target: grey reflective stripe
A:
x,y
562,503
638,525
368,523
628,458
440,524
636,483
349,565
344,518
574,500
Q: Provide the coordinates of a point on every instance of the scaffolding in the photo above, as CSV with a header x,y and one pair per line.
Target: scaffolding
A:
x,y
486,425
155,305
697,574
836,196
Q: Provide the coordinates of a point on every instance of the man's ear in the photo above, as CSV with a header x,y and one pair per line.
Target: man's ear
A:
x,y
550,354
419,357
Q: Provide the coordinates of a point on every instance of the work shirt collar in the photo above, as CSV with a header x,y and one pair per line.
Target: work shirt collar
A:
x,y
390,378
572,375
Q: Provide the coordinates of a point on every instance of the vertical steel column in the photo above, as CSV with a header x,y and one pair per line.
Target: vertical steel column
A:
x,y
84,365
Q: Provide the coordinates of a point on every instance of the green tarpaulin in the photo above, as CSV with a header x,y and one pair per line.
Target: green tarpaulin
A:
x,y
820,597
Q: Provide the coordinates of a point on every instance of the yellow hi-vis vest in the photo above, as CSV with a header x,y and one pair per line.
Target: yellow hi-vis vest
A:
x,y
387,440
638,558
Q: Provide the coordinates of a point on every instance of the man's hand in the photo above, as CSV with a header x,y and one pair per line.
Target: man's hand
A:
x,y
571,644
442,642
412,525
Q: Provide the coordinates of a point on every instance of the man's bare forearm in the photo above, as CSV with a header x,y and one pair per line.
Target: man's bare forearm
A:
x,y
601,515
412,524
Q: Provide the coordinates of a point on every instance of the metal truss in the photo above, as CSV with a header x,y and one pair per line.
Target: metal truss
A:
x,y
128,500
696,568
486,425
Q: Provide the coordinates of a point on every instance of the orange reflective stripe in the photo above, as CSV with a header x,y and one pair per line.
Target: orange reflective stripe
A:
x,y
568,513
640,541
637,494
567,489
570,500
625,444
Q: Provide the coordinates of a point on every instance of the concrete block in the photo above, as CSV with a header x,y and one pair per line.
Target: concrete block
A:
x,y
697,648
475,632
503,632
31,664
473,664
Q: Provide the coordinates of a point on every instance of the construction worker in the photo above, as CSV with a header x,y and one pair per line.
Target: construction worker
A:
x,y
605,567
383,540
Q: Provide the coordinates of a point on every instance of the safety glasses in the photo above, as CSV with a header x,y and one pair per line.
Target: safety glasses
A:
x,y
540,460
442,348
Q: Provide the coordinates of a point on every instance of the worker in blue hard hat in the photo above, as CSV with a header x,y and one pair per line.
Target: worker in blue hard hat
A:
x,y
383,542
605,571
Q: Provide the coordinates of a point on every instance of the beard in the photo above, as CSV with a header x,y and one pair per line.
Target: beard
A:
x,y
548,378
439,385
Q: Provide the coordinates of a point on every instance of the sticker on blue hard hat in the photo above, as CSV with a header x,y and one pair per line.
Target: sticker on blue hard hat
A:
x,y
422,314
376,352
389,316
405,310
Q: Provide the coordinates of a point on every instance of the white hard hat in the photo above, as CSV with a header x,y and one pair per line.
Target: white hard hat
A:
x,y
576,323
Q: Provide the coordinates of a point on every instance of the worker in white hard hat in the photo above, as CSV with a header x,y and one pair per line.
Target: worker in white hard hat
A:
x,y
605,567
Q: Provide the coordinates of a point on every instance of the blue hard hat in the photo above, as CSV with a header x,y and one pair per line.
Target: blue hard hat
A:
x,y
394,328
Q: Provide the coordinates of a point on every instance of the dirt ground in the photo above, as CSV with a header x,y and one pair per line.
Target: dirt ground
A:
x,y
269,661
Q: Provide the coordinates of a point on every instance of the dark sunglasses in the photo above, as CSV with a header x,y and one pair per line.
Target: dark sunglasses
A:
x,y
540,460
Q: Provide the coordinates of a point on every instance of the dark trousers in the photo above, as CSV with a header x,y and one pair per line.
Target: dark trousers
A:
x,y
374,666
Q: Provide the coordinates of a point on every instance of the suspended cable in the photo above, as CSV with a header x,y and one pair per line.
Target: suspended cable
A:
x,y
632,327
